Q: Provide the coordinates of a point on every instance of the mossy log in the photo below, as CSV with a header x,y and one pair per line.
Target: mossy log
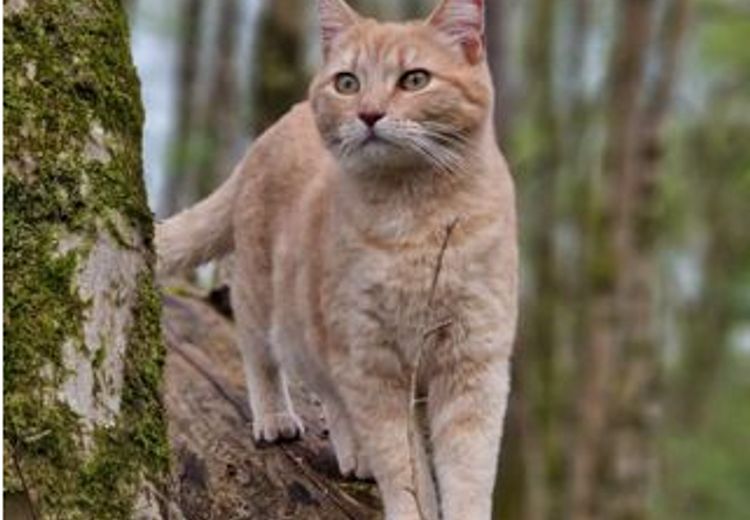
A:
x,y
218,471
85,431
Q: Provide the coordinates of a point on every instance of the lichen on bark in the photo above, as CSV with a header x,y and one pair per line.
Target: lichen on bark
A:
x,y
72,182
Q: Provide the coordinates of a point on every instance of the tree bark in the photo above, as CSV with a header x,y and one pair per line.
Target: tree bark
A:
x,y
85,431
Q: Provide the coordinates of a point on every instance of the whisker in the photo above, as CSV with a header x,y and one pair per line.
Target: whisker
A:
x,y
441,158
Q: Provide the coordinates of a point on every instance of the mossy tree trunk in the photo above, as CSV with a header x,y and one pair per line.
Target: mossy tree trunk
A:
x,y
84,432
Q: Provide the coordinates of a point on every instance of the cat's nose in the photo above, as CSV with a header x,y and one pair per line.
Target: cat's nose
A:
x,y
370,118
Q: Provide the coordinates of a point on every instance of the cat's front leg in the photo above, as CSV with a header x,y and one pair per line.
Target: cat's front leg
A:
x,y
378,404
350,456
274,418
466,406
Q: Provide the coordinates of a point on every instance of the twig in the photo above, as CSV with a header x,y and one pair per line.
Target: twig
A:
x,y
414,425
439,264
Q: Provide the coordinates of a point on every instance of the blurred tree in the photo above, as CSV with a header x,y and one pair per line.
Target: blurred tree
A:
x,y
540,373
176,194
219,121
498,54
280,78
636,405
609,218
84,430
725,262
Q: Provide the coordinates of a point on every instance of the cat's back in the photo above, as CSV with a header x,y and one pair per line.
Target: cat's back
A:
x,y
286,157
277,170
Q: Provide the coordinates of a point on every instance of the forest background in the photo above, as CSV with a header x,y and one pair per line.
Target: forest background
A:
x,y
627,127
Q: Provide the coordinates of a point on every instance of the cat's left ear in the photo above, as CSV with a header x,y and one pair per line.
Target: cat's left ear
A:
x,y
462,22
335,18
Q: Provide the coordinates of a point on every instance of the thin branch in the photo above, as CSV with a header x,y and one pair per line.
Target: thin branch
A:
x,y
414,425
439,264
412,430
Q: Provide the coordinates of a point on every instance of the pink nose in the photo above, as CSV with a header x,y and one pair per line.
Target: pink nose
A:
x,y
370,118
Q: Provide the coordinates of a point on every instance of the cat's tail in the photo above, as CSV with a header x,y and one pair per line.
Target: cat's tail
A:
x,y
200,233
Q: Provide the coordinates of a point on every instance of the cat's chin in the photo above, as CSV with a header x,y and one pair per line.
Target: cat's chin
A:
x,y
379,156
376,148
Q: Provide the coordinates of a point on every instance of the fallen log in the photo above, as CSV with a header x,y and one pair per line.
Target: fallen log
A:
x,y
218,472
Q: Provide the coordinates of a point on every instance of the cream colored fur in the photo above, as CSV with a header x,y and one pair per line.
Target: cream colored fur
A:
x,y
366,255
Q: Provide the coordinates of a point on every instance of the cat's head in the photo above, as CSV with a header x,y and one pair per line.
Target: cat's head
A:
x,y
396,96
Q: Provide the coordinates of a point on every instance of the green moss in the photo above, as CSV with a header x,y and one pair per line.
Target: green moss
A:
x,y
67,65
137,444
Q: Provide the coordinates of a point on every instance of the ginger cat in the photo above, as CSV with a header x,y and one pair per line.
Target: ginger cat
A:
x,y
374,233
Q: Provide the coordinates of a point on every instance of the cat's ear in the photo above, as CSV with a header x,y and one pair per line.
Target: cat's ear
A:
x,y
462,22
335,18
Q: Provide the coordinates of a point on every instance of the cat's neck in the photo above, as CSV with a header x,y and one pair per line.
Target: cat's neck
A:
x,y
400,203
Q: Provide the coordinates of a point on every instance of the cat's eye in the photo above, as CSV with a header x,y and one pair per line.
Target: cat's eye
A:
x,y
346,83
414,80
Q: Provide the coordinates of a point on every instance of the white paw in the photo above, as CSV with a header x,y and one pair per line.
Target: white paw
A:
x,y
354,465
275,427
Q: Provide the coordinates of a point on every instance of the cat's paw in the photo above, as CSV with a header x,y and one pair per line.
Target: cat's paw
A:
x,y
355,465
277,427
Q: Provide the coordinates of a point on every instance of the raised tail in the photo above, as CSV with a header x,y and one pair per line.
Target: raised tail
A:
x,y
200,233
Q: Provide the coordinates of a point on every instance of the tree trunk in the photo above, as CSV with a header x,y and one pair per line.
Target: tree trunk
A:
x,y
222,124
497,50
539,330
280,79
84,432
610,221
218,123
637,405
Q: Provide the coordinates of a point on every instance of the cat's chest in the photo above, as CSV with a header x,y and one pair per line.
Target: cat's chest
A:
x,y
399,294
396,293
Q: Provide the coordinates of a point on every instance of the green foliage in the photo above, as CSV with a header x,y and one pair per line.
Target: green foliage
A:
x,y
724,40
707,185
708,469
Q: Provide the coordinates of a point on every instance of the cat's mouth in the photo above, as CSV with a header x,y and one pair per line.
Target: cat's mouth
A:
x,y
374,139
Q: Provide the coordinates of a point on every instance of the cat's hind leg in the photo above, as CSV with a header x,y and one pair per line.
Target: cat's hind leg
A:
x,y
273,415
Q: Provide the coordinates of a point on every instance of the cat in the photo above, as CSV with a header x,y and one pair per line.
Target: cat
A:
x,y
374,232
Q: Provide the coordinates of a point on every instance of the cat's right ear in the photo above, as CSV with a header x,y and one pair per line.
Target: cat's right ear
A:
x,y
462,23
335,18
